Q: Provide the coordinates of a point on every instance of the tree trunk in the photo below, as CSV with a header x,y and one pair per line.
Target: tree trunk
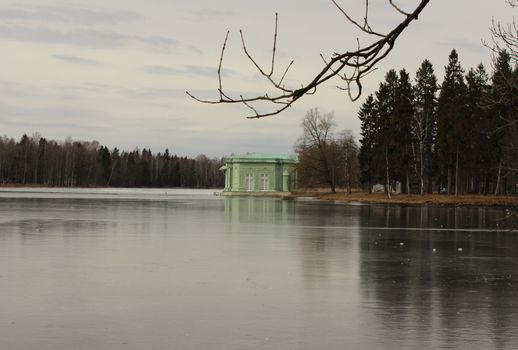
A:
x,y
387,189
407,183
498,179
457,172
448,185
333,187
348,179
421,172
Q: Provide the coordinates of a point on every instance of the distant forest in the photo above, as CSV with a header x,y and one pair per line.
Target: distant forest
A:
x,y
37,161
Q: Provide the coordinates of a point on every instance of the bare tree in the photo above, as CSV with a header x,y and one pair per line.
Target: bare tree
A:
x,y
349,66
503,101
317,149
419,124
349,153
505,36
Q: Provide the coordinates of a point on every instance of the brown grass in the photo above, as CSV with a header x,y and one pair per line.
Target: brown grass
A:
x,y
439,199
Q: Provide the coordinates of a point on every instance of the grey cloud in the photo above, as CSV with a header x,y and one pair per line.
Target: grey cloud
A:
x,y
167,93
86,37
153,93
19,90
67,15
46,112
205,14
159,40
162,70
463,45
76,60
188,70
8,87
78,37
58,118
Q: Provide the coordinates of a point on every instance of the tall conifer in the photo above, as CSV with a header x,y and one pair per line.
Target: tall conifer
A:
x,y
369,131
424,124
451,122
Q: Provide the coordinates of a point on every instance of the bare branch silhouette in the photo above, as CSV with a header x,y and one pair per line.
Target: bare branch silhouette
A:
x,y
360,62
504,36
398,9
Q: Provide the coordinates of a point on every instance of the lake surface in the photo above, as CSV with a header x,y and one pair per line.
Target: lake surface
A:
x,y
173,269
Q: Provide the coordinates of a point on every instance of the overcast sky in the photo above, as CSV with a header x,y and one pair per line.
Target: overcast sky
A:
x,y
116,71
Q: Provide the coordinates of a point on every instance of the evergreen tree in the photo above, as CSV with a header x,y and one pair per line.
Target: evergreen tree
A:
x,y
451,123
504,103
385,105
106,164
42,168
424,124
369,133
481,153
115,172
401,130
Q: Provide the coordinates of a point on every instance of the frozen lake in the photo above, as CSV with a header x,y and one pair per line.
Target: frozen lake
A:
x,y
184,269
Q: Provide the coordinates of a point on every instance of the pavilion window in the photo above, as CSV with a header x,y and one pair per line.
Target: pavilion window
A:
x,y
249,182
264,182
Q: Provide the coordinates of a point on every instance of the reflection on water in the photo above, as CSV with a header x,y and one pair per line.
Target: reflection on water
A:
x,y
261,209
126,269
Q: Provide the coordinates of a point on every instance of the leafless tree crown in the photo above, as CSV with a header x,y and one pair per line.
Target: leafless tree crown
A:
x,y
504,36
349,66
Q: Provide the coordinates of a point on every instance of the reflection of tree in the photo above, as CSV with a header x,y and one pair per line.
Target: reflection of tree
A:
x,y
327,239
421,280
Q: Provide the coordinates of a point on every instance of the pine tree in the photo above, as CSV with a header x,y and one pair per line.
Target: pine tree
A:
x,y
424,124
106,164
504,103
385,103
451,122
368,145
401,130
480,142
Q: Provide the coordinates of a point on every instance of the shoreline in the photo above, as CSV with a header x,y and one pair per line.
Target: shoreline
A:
x,y
415,199
343,197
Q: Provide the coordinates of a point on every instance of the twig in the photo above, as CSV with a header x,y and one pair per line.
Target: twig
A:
x,y
361,62
398,9
220,64
365,28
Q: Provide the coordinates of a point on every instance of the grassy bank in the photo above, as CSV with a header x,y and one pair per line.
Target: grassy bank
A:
x,y
439,199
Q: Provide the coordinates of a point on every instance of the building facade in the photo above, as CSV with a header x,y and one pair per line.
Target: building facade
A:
x,y
260,173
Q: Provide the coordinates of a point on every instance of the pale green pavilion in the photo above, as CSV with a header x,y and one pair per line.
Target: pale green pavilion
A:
x,y
259,173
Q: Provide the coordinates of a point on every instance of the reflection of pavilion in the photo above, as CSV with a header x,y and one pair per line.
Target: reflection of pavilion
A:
x,y
257,209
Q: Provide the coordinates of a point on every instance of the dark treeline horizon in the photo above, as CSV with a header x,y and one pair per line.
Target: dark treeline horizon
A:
x,y
456,137
35,160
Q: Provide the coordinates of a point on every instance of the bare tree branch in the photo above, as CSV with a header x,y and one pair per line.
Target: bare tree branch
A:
x,y
366,27
398,9
504,37
360,62
220,63
274,44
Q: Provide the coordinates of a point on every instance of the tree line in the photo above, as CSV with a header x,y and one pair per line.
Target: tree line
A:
x,y
457,137
37,161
